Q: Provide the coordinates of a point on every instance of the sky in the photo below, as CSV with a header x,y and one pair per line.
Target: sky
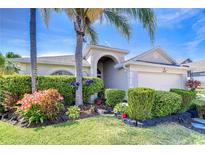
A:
x,y
180,32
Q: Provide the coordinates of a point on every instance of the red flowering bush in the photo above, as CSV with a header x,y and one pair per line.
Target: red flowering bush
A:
x,y
193,84
41,105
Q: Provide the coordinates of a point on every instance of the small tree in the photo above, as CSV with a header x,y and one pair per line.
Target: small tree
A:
x,y
193,84
12,55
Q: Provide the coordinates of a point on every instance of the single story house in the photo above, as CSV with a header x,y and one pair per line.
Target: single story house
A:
x,y
153,68
196,69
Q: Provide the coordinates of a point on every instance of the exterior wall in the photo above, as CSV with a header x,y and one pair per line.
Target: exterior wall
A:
x,y
95,54
200,78
114,78
46,69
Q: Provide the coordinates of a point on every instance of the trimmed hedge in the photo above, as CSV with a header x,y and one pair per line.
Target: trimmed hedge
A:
x,y
166,103
114,96
187,97
140,102
21,84
199,105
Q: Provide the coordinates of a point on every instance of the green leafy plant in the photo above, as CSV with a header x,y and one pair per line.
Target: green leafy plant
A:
x,y
73,112
114,96
21,84
120,108
187,97
140,102
33,114
166,103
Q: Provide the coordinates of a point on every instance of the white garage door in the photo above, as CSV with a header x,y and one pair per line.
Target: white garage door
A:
x,y
160,81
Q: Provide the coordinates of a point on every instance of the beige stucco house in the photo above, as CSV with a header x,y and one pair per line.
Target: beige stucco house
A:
x,y
153,68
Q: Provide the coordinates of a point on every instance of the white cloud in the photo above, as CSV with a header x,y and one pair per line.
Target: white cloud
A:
x,y
169,17
199,29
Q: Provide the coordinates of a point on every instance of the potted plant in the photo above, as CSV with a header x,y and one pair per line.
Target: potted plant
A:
x,y
98,101
123,115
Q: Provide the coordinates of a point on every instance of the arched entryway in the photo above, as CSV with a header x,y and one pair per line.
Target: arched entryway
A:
x,y
106,71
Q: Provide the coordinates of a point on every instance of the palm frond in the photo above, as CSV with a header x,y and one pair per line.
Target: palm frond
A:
x,y
119,21
93,14
71,13
92,35
45,13
146,16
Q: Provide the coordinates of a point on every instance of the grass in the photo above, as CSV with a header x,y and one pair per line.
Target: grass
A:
x,y
99,130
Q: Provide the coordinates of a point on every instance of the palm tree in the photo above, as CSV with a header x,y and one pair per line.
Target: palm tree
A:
x,y
33,52
83,19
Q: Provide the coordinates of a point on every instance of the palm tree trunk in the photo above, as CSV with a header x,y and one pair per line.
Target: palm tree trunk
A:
x,y
33,53
78,67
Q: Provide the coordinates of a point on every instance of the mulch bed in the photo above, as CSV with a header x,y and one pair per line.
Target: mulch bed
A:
x,y
86,112
182,118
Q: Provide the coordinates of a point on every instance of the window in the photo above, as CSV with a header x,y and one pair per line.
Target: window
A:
x,y
61,73
99,74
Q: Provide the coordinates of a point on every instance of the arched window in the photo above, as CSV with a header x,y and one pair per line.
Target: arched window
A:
x,y
62,73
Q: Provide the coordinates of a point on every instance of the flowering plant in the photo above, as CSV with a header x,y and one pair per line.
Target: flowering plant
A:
x,y
193,84
47,103
89,82
77,84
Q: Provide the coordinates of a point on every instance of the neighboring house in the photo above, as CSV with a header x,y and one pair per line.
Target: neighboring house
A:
x,y
153,68
196,70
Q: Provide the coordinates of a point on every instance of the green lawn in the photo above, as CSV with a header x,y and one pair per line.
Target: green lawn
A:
x,y
99,130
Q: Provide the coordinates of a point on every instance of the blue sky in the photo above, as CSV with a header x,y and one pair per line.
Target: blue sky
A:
x,y
180,32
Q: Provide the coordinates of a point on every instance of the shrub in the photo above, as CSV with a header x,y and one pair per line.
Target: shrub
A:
x,y
166,103
41,105
33,114
187,97
200,107
114,96
120,108
1,109
193,84
73,112
9,101
91,85
21,84
140,101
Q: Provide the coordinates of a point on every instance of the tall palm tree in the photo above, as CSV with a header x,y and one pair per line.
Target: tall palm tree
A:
x,y
33,52
83,19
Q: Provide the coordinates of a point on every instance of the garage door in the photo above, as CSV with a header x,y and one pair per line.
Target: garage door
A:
x,y
160,81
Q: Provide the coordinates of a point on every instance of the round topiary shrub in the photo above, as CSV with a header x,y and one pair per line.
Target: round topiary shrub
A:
x,y
187,97
114,96
166,103
140,101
